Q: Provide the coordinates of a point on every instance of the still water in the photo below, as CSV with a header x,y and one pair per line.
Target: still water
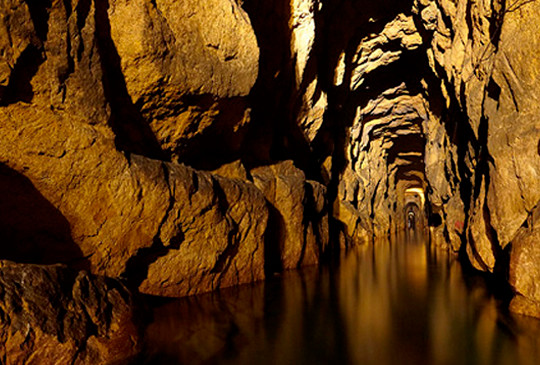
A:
x,y
389,303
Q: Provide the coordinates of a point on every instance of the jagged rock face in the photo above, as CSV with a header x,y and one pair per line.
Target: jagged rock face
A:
x,y
16,37
187,66
298,218
124,214
524,257
374,106
52,315
96,98
311,121
468,95
484,54
213,234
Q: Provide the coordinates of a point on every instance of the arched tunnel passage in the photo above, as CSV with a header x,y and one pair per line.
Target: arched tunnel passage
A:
x,y
411,216
188,146
369,113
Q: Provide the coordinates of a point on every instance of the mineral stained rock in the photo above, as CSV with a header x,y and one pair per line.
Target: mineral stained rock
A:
x,y
135,210
53,315
485,56
213,235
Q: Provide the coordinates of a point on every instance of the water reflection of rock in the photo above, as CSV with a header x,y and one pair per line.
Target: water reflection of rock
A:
x,y
387,302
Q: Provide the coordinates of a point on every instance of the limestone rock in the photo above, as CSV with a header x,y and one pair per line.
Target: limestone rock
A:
x,y
480,248
311,101
317,230
375,51
314,104
233,170
512,110
483,53
112,208
120,216
52,315
442,176
67,71
303,32
161,46
17,38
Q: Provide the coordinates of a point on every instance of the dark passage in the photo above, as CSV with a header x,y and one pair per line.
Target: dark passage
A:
x,y
389,303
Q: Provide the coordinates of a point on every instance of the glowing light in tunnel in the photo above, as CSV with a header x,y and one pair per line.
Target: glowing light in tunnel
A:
x,y
418,191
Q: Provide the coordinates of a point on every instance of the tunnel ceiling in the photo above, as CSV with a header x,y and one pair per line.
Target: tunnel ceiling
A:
x,y
430,94
380,83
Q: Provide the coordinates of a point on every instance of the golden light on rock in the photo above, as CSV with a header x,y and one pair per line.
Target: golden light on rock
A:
x,y
176,148
419,192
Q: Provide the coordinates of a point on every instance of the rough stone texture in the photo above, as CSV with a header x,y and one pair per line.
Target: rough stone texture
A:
x,y
524,269
293,241
311,119
17,36
186,66
122,214
480,248
52,315
51,55
485,54
312,100
167,77
445,88
113,208
317,231
82,85
233,170
514,122
213,232
442,175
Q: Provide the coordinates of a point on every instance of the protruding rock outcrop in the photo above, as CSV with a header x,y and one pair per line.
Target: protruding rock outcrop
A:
x,y
187,67
299,226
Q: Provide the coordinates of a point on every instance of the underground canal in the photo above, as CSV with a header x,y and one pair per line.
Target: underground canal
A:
x,y
399,302
269,181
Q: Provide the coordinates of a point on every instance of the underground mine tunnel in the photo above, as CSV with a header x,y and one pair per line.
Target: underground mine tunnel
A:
x,y
269,181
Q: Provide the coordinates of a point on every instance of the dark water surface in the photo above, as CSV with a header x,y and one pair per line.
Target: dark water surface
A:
x,y
388,303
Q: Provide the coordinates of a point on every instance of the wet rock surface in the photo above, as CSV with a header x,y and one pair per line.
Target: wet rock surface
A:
x,y
351,313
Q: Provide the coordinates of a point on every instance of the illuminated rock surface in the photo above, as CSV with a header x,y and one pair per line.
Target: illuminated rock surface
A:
x,y
349,314
184,147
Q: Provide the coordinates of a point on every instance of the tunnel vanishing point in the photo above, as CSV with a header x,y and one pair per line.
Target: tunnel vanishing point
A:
x,y
172,148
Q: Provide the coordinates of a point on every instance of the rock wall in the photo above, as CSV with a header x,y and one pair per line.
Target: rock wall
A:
x,y
485,56
103,104
185,146
439,95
